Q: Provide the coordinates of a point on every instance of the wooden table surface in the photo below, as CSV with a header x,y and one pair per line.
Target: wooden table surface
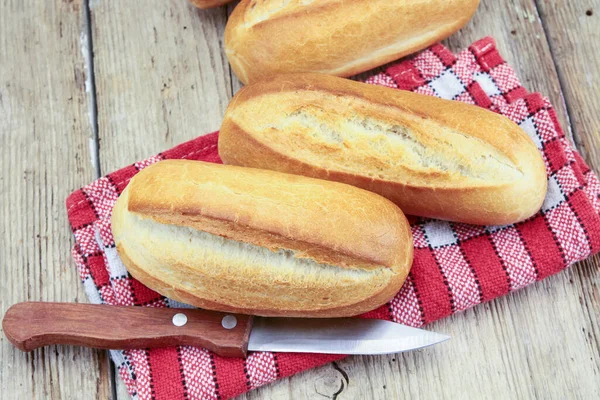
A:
x,y
88,86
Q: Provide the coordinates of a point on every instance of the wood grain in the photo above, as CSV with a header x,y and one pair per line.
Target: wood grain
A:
x,y
574,38
45,133
161,76
535,343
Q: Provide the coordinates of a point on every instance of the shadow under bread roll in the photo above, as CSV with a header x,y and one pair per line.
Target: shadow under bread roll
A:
x,y
432,157
260,242
335,37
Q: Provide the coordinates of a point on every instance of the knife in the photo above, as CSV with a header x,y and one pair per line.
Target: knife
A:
x,y
31,325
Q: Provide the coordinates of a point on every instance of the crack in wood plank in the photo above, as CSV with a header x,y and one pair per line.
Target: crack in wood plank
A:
x,y
90,87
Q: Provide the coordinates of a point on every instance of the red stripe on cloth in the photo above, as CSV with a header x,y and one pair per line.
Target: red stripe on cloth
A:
x,y
406,76
445,55
165,369
588,216
98,270
483,46
79,210
480,97
488,57
482,256
292,363
142,294
535,102
232,379
515,94
431,286
121,177
382,312
555,153
542,246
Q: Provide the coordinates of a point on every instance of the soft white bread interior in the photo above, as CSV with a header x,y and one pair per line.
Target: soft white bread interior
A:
x,y
260,242
336,37
434,158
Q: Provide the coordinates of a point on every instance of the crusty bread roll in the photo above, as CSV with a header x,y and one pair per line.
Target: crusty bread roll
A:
x,y
434,158
209,3
260,242
335,37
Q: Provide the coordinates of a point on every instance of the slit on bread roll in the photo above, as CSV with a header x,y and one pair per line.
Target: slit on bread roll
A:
x,y
432,157
260,242
335,37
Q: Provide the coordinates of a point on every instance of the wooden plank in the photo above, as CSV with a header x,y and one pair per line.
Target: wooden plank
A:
x,y
573,32
45,131
574,37
531,344
161,76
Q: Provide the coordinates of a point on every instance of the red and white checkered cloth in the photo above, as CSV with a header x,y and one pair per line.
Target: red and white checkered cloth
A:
x,y
456,266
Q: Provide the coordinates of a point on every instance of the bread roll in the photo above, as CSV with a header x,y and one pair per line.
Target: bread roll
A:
x,y
335,37
260,242
434,158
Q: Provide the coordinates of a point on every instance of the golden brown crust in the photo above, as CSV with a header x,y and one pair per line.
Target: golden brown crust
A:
x,y
366,225
432,157
335,37
260,242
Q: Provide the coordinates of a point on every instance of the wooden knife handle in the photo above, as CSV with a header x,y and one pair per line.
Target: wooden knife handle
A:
x,y
35,324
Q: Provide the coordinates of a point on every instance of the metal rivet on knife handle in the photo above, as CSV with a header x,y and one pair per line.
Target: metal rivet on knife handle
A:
x,y
229,322
179,319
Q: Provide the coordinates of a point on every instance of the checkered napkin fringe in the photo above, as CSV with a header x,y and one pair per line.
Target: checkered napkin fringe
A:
x,y
456,266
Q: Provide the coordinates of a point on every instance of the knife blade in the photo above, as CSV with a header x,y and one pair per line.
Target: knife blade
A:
x,y
35,324
338,336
